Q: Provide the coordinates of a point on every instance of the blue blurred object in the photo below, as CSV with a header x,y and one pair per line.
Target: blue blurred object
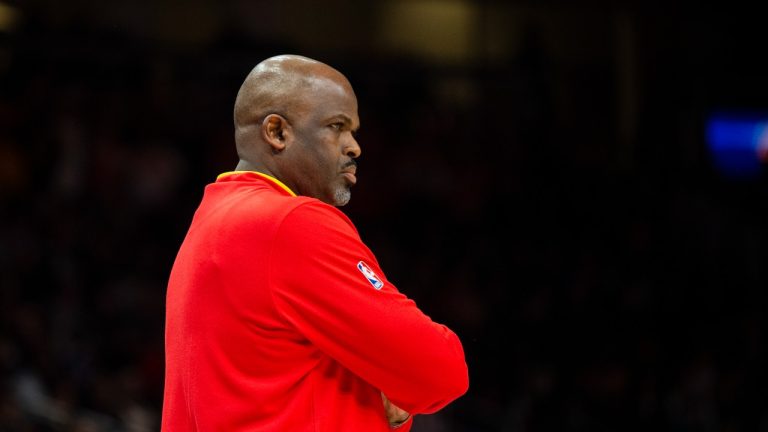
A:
x,y
738,144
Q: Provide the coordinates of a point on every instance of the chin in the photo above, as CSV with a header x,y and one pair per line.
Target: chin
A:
x,y
342,197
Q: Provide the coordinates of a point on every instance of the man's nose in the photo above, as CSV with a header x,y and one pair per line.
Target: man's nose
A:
x,y
352,148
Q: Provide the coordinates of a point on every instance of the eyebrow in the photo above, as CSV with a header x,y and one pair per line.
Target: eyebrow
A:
x,y
345,118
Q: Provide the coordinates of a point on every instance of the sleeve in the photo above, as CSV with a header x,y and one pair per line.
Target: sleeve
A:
x,y
328,285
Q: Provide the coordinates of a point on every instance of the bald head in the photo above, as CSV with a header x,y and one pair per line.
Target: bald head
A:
x,y
295,119
282,85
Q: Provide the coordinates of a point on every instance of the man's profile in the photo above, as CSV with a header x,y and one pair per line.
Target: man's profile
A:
x,y
278,316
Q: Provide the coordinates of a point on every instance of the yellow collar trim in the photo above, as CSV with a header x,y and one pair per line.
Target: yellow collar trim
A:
x,y
266,176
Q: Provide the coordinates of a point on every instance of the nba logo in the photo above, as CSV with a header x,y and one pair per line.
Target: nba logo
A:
x,y
370,275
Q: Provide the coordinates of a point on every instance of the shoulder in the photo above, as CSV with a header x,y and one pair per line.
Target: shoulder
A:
x,y
312,214
313,209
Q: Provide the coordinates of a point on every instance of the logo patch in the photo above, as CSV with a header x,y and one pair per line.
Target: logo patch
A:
x,y
370,275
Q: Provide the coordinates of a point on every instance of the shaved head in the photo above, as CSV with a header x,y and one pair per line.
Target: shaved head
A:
x,y
285,113
282,85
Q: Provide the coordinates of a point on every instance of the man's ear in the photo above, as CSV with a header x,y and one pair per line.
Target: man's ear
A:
x,y
276,131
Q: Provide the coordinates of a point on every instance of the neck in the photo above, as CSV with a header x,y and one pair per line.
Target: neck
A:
x,y
244,165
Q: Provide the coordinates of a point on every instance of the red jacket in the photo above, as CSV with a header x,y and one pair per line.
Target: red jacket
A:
x,y
280,319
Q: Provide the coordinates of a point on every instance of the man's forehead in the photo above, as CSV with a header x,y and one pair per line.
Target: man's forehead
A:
x,y
329,84
333,98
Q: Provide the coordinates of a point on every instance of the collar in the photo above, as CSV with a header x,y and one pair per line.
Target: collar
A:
x,y
228,176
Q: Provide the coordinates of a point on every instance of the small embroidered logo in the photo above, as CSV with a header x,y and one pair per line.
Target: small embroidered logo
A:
x,y
370,275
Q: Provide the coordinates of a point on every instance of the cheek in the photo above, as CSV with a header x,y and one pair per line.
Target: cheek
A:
x,y
327,156
321,156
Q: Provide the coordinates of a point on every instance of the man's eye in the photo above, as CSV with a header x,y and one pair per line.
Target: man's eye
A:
x,y
337,126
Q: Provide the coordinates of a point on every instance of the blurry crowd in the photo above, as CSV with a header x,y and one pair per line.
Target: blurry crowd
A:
x,y
589,296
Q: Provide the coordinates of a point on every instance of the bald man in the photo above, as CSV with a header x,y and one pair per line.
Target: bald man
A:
x,y
278,317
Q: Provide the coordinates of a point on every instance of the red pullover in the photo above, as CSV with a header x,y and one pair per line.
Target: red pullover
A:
x,y
280,319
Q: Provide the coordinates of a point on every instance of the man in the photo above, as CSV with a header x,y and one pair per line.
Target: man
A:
x,y
279,318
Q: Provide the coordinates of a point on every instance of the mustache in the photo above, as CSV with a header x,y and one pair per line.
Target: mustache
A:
x,y
351,162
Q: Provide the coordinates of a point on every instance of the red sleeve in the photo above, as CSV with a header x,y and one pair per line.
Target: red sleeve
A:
x,y
329,286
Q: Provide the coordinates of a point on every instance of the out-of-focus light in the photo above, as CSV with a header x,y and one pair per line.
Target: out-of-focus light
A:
x,y
440,30
738,144
9,18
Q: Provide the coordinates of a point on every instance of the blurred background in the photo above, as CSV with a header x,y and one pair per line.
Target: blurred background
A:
x,y
577,188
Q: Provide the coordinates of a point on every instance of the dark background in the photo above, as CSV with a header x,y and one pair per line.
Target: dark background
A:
x,y
534,174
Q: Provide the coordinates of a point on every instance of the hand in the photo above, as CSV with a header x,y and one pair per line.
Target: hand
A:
x,y
395,415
